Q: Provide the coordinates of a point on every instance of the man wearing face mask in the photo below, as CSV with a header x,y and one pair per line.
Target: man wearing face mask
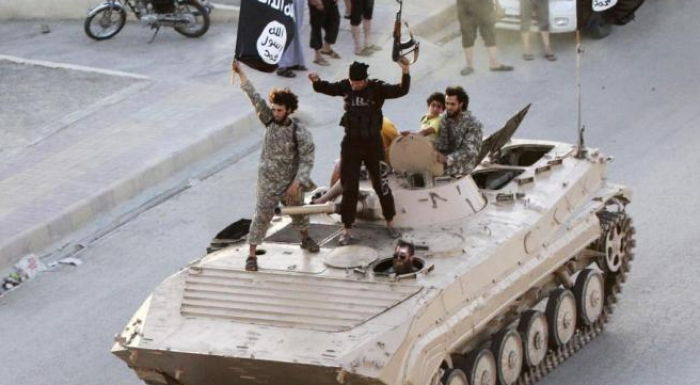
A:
x,y
459,140
362,142
285,165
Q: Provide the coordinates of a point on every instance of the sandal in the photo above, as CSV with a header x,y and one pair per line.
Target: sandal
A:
x,y
466,71
251,264
299,68
529,56
330,53
345,239
310,245
364,52
322,62
502,68
550,57
374,47
286,73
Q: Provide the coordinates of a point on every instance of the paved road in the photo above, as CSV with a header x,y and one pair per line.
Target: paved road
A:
x,y
640,105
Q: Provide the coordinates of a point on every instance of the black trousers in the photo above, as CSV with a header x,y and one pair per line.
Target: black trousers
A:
x,y
352,155
327,20
361,10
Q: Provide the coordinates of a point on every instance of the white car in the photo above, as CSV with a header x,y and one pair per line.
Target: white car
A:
x,y
562,18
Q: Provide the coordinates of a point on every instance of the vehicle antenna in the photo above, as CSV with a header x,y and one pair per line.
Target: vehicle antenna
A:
x,y
581,149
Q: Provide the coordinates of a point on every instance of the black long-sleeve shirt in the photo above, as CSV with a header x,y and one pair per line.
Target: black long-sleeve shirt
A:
x,y
363,109
376,91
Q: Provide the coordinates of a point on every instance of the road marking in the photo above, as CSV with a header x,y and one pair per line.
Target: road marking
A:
x,y
73,67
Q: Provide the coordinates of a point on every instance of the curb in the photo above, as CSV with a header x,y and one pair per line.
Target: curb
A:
x,y
224,12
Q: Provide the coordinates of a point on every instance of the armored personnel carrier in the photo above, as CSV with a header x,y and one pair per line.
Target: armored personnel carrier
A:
x,y
513,269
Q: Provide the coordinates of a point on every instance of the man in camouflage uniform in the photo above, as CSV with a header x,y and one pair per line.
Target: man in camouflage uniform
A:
x,y
460,135
285,164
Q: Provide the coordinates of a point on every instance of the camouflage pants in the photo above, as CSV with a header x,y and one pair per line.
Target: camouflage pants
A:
x,y
265,202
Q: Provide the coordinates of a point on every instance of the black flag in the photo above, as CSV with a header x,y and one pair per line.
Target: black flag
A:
x,y
265,29
492,144
617,12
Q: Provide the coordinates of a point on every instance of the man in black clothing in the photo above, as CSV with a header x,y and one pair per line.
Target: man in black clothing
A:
x,y
325,17
362,143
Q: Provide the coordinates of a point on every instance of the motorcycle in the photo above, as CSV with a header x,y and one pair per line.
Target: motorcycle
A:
x,y
188,17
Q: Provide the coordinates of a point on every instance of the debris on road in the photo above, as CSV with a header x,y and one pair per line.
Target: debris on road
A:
x,y
27,268
71,261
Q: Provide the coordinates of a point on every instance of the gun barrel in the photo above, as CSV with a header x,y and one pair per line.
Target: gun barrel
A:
x,y
328,208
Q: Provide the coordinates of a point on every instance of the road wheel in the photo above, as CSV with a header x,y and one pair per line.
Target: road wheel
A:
x,y
454,377
105,23
533,329
589,292
198,18
481,368
561,316
507,347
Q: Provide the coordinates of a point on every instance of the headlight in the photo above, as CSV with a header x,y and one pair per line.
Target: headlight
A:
x,y
561,21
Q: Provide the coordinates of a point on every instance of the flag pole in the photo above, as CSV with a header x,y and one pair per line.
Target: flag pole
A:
x,y
580,151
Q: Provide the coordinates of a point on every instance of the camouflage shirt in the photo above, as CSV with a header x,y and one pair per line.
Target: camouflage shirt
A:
x,y
460,141
282,161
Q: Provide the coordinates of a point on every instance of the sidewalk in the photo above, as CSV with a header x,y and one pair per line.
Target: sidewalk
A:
x,y
109,156
110,153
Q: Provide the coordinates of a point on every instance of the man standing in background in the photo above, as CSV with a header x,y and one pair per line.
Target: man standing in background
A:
x,y
473,16
325,17
542,12
293,57
361,13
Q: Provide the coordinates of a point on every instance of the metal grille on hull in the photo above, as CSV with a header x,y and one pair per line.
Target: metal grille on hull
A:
x,y
287,300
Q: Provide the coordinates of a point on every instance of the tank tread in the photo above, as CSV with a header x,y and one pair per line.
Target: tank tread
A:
x,y
586,334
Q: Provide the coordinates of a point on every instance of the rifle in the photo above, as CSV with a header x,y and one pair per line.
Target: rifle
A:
x,y
402,49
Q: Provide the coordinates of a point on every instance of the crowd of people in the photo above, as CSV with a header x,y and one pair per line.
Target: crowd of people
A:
x,y
476,18
325,26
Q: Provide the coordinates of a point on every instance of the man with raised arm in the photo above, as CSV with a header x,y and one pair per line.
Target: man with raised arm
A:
x,y
362,142
285,164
